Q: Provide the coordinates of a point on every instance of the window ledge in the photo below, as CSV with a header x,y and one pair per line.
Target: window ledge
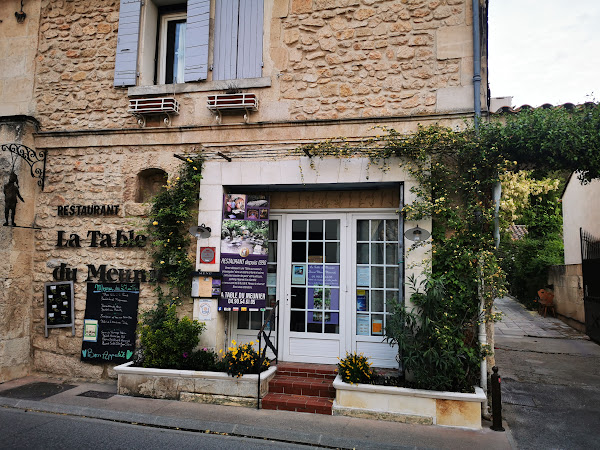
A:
x,y
180,88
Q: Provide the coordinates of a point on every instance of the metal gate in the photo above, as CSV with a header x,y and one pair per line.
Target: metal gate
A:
x,y
590,265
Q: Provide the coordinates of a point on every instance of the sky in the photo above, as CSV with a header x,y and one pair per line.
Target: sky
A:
x,y
544,51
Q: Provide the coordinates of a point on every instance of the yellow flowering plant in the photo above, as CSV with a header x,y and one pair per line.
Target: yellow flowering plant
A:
x,y
241,359
355,368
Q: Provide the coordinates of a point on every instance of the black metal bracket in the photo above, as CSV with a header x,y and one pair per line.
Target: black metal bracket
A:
x,y
34,158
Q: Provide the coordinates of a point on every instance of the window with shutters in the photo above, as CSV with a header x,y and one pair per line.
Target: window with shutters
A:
x,y
166,41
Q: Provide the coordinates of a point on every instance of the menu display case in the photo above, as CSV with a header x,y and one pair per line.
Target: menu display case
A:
x,y
59,310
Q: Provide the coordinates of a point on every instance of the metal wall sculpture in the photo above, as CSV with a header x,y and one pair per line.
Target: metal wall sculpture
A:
x,y
37,165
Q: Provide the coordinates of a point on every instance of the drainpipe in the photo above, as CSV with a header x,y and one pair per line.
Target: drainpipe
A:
x,y
476,64
477,118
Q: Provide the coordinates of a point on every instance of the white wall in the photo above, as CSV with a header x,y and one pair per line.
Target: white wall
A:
x,y
580,210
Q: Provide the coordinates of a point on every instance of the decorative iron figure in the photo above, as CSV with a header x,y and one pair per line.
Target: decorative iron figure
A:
x,y
11,194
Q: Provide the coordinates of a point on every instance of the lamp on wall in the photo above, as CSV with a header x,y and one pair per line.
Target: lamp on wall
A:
x,y
417,234
200,231
20,15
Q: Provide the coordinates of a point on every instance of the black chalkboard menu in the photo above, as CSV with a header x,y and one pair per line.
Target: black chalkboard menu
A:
x,y
110,322
59,308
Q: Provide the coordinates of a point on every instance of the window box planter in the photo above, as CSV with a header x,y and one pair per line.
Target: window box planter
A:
x,y
142,107
192,386
420,406
232,102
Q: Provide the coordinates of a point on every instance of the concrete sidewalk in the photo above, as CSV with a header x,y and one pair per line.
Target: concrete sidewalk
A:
x,y
312,429
519,321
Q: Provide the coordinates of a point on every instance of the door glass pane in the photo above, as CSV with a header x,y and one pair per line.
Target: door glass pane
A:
x,y
298,299
297,321
315,230
376,253
298,251
334,296
362,230
377,227
243,320
298,229
376,277
332,323
377,325
391,277
391,230
315,252
362,300
272,251
377,301
362,253
315,298
256,320
332,230
332,252
391,254
273,229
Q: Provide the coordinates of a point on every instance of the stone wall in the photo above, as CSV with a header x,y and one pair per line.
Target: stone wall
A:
x,y
323,59
352,58
75,66
18,49
568,293
16,249
88,176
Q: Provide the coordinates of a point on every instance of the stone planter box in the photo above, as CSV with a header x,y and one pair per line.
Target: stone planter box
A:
x,y
192,386
408,405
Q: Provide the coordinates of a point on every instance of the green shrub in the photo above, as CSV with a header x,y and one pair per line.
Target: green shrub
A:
x,y
526,263
201,360
437,348
355,368
166,340
241,359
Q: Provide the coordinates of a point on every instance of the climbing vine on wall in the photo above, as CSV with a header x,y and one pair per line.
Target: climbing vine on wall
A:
x,y
171,214
456,171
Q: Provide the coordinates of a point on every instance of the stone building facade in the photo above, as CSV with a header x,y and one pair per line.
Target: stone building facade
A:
x,y
320,69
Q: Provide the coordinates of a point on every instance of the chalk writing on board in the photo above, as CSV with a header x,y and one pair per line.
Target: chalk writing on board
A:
x,y
114,307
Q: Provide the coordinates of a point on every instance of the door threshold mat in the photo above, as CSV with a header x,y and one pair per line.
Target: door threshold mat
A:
x,y
96,394
36,391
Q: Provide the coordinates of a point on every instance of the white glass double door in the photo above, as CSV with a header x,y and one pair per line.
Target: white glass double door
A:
x,y
333,274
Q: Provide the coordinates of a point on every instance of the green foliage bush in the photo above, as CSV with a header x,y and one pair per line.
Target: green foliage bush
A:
x,y
526,260
166,340
438,351
202,360
355,368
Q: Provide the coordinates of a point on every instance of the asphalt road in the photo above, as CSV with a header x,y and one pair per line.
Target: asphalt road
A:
x,y
34,430
550,388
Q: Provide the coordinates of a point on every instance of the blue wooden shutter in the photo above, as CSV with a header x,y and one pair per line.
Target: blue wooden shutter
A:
x,y
250,39
196,40
127,43
226,37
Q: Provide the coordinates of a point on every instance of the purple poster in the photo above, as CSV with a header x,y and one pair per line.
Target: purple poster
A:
x,y
244,252
315,274
332,275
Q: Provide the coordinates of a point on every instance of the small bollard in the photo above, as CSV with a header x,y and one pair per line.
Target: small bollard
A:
x,y
496,401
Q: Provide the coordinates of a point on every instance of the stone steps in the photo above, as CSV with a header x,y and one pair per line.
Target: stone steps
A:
x,y
302,388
